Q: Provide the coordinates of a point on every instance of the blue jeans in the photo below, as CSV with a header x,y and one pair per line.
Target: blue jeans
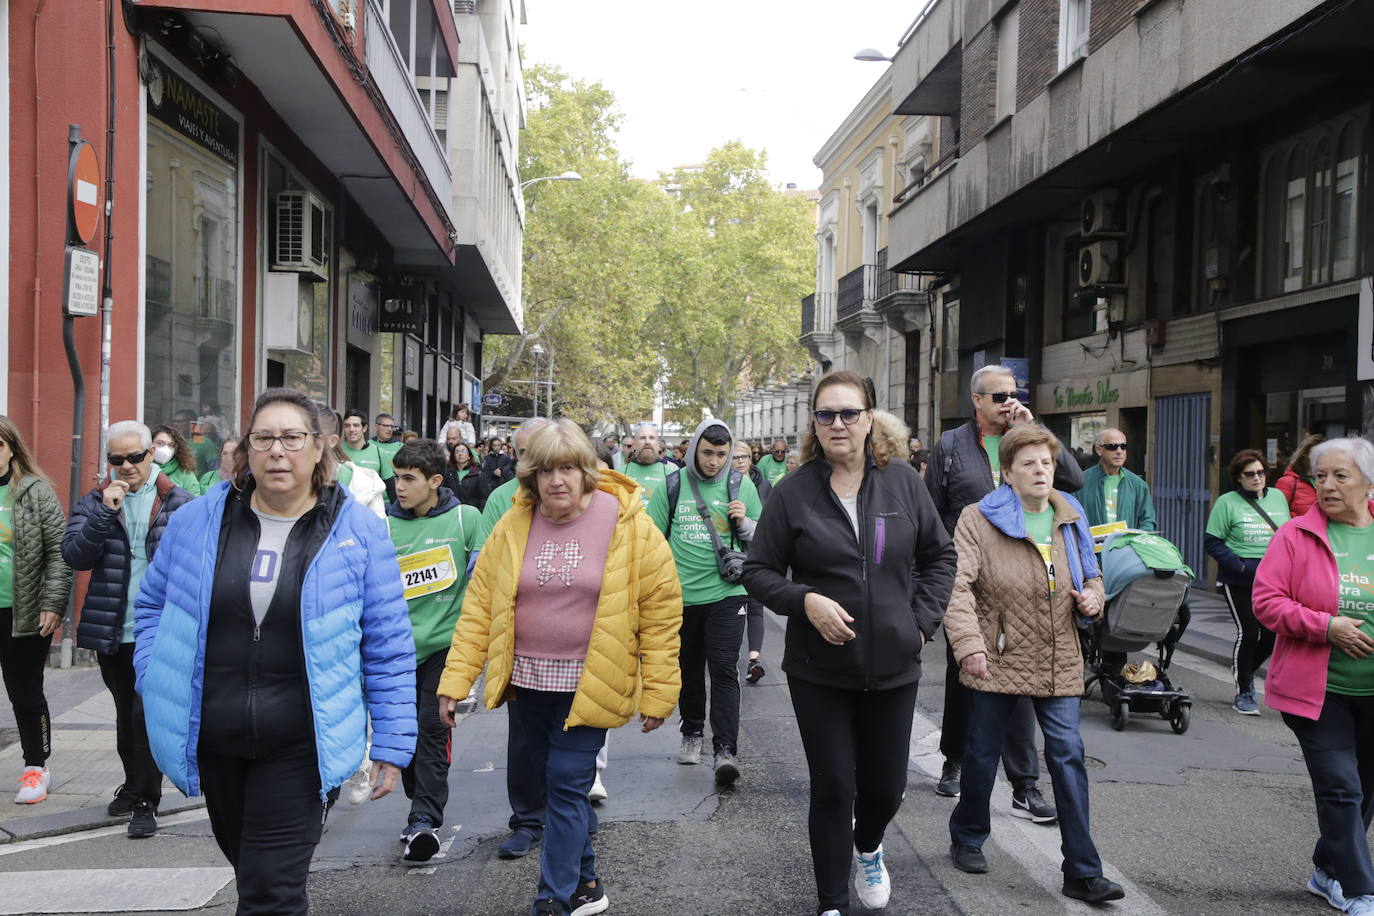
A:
x,y
970,823
568,761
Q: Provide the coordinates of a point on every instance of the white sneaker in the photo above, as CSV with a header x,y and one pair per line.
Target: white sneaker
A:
x,y
598,790
831,913
871,881
33,786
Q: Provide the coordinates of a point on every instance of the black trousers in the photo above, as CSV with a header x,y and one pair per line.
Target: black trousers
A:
x,y
22,660
710,641
754,624
524,775
857,743
267,817
426,779
1254,641
1019,758
1339,751
142,779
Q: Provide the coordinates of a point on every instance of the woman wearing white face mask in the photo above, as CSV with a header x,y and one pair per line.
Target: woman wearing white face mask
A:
x,y
174,458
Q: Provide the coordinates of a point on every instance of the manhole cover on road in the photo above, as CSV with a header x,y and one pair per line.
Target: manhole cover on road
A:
x,y
1094,763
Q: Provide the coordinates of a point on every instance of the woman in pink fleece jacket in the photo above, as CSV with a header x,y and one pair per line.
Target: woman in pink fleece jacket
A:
x,y
1315,590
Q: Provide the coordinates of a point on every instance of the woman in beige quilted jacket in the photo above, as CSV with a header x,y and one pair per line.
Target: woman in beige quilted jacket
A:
x,y
1026,575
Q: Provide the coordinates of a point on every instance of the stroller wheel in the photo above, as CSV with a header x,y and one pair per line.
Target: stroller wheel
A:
x,y
1121,715
1182,717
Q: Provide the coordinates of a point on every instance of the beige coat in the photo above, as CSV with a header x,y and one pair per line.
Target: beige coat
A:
x,y
1001,589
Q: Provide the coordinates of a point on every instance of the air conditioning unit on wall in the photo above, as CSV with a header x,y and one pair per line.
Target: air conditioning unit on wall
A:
x,y
1101,214
1098,264
302,242
288,312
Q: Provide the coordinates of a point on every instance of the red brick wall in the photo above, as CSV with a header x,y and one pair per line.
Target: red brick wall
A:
x,y
1037,54
979,86
1106,18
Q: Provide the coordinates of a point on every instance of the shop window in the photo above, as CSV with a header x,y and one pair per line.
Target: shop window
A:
x,y
191,268
1309,186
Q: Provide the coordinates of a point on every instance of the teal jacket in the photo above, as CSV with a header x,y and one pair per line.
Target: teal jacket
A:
x,y
1133,503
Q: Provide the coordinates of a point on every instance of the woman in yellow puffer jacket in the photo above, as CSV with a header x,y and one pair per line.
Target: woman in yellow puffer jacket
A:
x,y
574,608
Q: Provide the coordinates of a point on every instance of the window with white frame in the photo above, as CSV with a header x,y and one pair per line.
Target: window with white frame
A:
x,y
1008,35
1073,30
1309,187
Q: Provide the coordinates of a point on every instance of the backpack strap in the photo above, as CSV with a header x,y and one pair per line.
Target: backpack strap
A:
x,y
672,484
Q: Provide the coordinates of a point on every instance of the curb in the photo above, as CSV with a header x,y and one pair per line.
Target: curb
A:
x,y
81,819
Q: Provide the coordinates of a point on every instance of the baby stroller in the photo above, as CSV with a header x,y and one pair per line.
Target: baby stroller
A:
x,y
1146,582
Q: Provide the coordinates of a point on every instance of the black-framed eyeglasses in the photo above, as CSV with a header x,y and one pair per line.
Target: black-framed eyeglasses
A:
x,y
1114,446
998,397
849,416
292,440
132,458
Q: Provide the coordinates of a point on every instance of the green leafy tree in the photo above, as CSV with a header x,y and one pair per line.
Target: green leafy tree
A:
x,y
732,315
592,273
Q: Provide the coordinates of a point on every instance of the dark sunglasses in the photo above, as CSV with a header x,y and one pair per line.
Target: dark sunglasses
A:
x,y
1114,446
132,458
998,397
849,416
1252,474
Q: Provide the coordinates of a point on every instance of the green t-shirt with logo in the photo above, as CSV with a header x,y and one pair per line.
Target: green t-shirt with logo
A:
x,y
6,547
1246,533
992,445
1111,485
388,449
433,554
649,476
1354,549
693,549
370,457
1040,529
772,469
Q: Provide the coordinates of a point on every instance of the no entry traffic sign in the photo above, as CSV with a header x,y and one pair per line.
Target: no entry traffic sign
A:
x,y
83,193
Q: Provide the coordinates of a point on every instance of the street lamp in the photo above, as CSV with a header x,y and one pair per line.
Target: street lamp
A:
x,y
872,55
538,351
569,175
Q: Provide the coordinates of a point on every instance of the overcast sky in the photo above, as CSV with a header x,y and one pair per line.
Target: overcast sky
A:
x,y
689,76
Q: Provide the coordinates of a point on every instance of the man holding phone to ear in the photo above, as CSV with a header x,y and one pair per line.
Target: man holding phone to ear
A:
x,y
964,467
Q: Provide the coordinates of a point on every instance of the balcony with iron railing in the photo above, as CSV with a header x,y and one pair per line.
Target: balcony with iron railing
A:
x,y
808,324
890,282
388,70
856,291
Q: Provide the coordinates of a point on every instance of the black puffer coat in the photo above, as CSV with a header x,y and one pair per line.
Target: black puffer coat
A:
x,y
96,540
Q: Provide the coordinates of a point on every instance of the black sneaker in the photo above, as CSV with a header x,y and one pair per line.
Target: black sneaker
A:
x,y
517,845
421,839
546,907
1028,803
122,805
948,786
588,900
755,672
143,822
1093,890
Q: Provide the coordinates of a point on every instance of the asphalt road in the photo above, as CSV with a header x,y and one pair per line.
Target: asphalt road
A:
x,y
1217,821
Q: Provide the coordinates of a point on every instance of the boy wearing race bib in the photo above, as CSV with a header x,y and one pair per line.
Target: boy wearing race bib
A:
x,y
435,539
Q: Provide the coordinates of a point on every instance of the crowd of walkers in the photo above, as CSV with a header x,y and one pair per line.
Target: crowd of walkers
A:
x,y
304,607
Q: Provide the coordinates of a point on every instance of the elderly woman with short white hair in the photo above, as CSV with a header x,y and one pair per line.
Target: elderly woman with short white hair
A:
x,y
1315,590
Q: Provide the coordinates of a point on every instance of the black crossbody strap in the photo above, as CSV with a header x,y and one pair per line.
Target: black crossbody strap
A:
x,y
1265,515
705,514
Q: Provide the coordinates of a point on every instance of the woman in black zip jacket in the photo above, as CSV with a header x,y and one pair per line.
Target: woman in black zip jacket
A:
x,y
871,572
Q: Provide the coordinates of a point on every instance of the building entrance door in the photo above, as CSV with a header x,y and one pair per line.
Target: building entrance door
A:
x,y
1180,486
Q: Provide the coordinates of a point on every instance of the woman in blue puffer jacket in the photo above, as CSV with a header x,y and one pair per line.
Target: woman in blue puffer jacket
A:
x,y
269,629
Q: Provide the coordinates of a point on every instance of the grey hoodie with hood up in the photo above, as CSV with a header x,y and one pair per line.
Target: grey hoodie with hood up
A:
x,y
744,526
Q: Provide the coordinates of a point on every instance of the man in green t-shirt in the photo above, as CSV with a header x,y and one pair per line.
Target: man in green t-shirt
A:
x,y
645,467
386,435
714,609
1111,491
773,466
366,454
434,538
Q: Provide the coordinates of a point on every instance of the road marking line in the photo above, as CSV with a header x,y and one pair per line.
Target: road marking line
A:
x,y
1035,847
171,820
